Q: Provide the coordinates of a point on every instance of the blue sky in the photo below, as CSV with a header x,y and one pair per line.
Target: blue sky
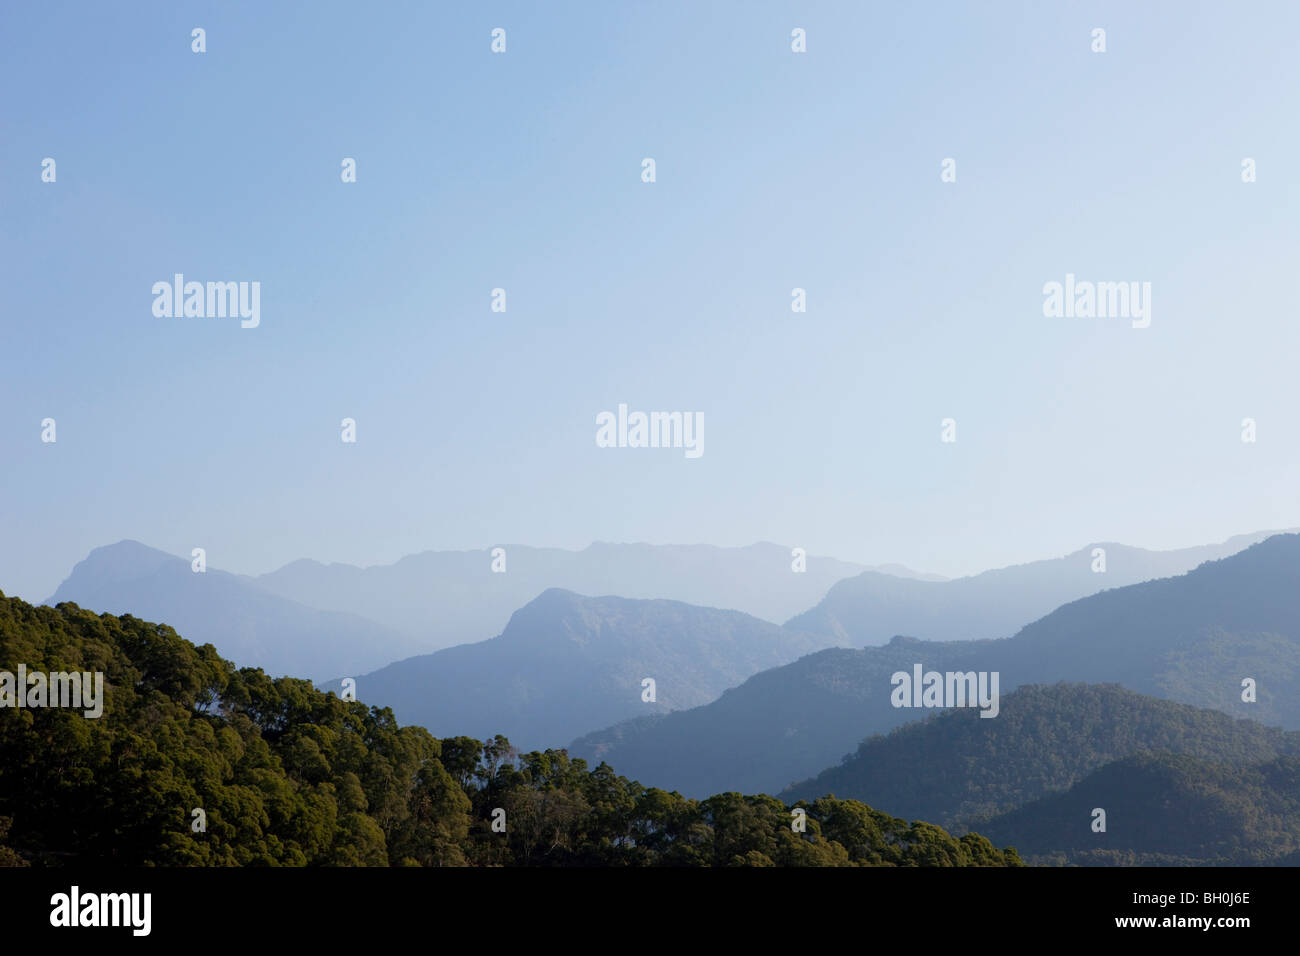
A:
x,y
522,171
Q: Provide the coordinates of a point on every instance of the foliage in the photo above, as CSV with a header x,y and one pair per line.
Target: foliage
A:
x,y
290,776
957,768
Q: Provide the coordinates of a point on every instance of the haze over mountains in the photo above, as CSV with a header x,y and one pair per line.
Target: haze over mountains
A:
x,y
566,663
452,597
871,608
449,597
242,621
327,621
1191,638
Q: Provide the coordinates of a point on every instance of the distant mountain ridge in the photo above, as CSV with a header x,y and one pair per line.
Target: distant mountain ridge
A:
x,y
871,608
242,621
313,619
566,663
446,598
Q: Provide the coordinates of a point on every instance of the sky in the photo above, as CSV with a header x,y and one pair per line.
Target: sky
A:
x,y
522,170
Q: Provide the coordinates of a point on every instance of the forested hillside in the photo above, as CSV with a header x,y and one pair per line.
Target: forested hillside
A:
x,y
287,775
955,768
1166,810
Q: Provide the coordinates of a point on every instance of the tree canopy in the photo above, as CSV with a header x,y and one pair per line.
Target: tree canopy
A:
x,y
286,775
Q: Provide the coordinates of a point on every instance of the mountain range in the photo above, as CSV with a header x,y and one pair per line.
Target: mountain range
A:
x,y
870,608
566,663
242,621
1193,638
335,620
327,621
1148,701
445,598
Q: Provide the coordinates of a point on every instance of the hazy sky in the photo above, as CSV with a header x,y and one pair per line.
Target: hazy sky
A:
x,y
522,170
